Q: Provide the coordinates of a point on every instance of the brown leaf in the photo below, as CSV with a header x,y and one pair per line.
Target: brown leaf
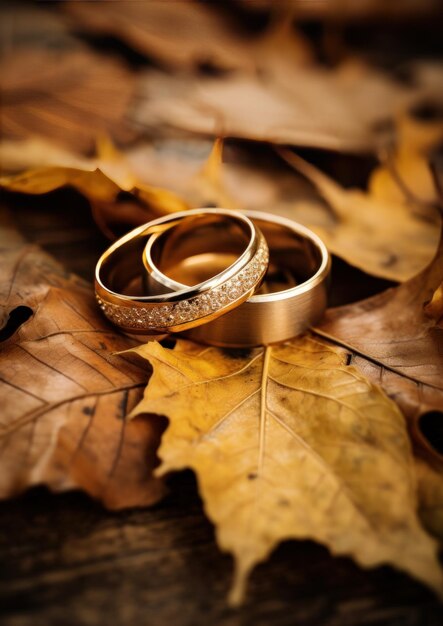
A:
x,y
66,95
405,173
338,11
65,395
191,35
290,442
394,327
386,238
209,179
310,106
18,155
184,172
100,179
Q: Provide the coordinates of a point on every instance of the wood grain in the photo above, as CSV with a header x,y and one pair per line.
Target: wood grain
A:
x,y
66,560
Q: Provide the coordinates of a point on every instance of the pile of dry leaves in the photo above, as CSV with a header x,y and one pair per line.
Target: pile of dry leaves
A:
x,y
334,436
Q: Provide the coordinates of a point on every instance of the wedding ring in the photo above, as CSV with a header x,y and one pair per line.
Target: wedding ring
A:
x,y
292,297
120,267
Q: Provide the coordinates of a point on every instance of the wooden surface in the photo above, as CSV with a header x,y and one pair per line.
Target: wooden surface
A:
x,y
64,560
67,561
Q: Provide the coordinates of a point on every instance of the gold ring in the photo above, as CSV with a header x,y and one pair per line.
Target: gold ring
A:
x,y
119,268
292,297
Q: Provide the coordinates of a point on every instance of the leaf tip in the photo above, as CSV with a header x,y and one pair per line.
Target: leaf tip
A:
x,y
237,592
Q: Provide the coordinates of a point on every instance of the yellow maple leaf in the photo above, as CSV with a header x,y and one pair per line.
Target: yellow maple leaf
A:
x,y
100,179
290,442
381,236
406,174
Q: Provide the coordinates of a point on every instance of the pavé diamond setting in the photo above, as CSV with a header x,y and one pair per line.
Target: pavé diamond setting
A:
x,y
175,313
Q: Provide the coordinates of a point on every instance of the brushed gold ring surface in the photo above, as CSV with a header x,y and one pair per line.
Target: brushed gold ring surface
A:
x,y
121,266
299,265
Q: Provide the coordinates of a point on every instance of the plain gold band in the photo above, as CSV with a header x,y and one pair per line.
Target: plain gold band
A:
x,y
186,307
267,318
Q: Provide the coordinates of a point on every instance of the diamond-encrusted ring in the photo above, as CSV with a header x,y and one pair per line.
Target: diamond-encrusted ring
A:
x,y
292,298
119,272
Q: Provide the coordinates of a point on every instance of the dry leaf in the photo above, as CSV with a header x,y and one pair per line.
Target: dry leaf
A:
x,y
399,330
65,395
65,95
189,168
395,329
290,442
400,345
345,12
193,168
384,238
405,174
17,155
101,180
190,36
311,106
208,181
54,86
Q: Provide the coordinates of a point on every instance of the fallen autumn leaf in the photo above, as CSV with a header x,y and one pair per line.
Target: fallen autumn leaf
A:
x,y
65,395
290,442
384,238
